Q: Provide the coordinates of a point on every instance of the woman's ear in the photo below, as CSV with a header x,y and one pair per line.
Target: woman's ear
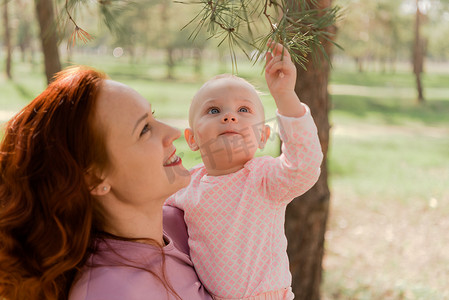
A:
x,y
188,135
100,190
96,187
264,136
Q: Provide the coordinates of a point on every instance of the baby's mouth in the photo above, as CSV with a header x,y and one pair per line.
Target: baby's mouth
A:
x,y
229,132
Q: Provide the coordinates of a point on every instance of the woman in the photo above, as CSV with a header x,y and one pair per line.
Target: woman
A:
x,y
85,170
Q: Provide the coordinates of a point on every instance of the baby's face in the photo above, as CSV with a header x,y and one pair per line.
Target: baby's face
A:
x,y
227,120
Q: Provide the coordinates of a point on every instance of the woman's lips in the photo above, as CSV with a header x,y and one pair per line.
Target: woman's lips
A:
x,y
173,160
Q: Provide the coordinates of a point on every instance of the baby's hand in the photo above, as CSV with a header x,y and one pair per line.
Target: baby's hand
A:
x,y
280,71
280,74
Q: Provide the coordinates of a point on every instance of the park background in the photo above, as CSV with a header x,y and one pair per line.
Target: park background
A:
x,y
388,157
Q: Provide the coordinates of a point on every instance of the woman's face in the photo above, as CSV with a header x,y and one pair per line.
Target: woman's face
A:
x,y
143,165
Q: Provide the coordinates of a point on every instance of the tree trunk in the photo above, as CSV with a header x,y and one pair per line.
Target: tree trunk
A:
x,y
198,61
418,55
7,40
170,62
165,39
306,216
359,63
49,39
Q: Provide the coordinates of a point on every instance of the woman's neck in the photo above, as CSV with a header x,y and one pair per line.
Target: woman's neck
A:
x,y
142,224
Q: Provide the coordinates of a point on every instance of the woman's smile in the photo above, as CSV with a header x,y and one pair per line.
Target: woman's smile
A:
x,y
173,160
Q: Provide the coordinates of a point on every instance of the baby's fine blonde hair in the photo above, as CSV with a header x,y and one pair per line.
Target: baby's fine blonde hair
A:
x,y
215,78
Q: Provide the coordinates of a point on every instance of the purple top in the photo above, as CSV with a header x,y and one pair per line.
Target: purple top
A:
x,y
106,276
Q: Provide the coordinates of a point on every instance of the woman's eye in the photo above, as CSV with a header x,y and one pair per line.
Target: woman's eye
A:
x,y
145,129
243,109
213,110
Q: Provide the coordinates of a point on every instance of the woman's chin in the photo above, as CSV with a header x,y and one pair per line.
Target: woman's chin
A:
x,y
178,177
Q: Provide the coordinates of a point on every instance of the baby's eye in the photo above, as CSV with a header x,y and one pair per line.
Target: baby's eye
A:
x,y
213,110
243,109
145,129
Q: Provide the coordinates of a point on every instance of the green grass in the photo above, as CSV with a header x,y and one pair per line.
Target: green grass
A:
x,y
388,162
391,110
389,166
382,167
28,84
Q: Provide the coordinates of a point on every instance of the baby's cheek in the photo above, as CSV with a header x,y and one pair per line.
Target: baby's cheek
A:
x,y
201,138
256,132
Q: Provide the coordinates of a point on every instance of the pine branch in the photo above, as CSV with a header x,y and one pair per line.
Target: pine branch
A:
x,y
298,25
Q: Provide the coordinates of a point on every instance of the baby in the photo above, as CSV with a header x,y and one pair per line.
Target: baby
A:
x,y
234,207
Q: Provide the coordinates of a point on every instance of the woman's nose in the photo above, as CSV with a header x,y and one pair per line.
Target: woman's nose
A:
x,y
229,118
171,134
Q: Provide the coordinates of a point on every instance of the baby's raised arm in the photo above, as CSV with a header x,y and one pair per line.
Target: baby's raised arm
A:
x,y
280,74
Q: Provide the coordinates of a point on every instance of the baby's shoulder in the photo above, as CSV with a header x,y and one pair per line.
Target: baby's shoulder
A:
x,y
258,162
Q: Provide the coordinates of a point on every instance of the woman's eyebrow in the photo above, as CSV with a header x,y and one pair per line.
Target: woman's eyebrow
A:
x,y
139,121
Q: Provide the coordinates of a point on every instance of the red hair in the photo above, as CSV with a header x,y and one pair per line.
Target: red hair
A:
x,y
46,209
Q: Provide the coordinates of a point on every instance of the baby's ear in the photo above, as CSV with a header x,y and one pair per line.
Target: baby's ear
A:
x,y
188,135
264,136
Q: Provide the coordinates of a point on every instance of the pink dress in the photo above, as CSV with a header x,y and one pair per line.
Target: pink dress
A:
x,y
236,221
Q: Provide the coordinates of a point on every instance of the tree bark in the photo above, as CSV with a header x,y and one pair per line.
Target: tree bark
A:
x,y
306,216
418,55
49,39
7,40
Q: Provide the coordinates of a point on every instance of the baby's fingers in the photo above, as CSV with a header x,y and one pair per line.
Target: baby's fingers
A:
x,y
277,49
269,62
278,68
274,64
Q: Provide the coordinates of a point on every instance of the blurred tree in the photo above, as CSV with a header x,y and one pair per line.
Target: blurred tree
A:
x,y
7,36
134,31
193,48
386,32
24,30
358,39
165,39
418,53
373,30
437,30
175,42
436,13
49,40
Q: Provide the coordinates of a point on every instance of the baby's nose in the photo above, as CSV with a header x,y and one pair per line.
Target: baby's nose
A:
x,y
229,118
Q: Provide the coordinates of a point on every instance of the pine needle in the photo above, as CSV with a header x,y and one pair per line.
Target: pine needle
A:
x,y
78,32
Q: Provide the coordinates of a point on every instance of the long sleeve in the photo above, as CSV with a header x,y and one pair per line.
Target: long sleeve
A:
x,y
297,169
